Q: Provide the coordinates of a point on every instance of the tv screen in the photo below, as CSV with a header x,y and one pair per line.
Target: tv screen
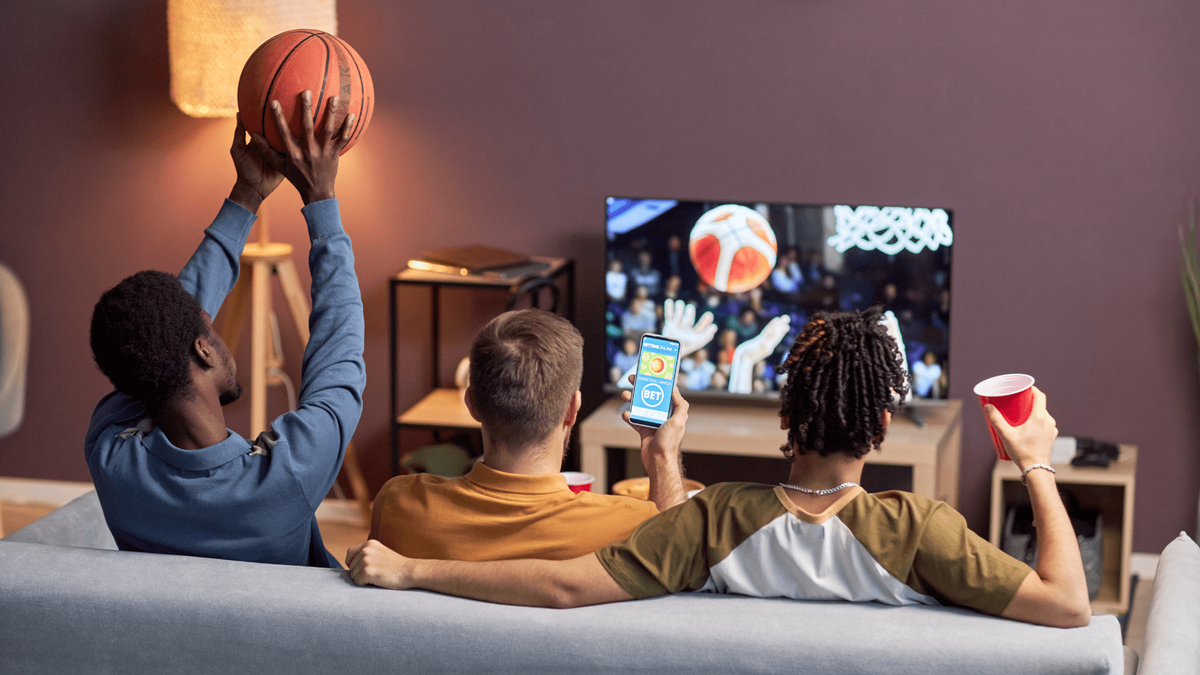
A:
x,y
735,282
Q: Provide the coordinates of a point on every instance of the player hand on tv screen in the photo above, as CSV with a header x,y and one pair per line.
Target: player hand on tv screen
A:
x,y
665,440
757,348
256,178
311,161
679,322
373,563
760,346
1032,442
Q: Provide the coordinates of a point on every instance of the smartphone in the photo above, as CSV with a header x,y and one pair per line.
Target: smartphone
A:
x,y
658,364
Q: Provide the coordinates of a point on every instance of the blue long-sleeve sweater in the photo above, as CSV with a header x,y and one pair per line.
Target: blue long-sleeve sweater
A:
x,y
238,499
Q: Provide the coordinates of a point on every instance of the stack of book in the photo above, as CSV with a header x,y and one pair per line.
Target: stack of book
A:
x,y
478,260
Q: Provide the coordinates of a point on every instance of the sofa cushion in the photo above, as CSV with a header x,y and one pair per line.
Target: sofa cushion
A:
x,y
78,523
77,609
1172,643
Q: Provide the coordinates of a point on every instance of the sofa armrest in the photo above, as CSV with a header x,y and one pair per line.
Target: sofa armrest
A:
x,y
1172,643
78,523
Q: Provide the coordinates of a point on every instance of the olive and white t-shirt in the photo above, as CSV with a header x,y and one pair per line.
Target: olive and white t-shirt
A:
x,y
896,548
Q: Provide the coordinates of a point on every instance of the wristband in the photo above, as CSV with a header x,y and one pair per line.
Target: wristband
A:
x,y
1031,467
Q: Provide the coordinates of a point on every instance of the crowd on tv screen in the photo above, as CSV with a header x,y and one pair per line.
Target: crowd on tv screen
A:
x,y
638,283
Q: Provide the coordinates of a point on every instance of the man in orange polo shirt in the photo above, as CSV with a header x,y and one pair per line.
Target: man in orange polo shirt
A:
x,y
526,367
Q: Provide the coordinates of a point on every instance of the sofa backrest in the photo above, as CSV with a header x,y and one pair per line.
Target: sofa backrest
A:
x,y
79,523
67,609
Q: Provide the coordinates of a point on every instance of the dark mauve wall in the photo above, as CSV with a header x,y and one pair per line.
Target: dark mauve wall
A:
x,y
1063,134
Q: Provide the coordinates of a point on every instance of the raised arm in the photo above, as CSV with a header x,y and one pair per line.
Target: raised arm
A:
x,y
1054,594
661,456
333,373
213,269
557,584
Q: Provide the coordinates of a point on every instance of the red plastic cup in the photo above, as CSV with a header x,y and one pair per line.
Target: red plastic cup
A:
x,y
1013,397
579,482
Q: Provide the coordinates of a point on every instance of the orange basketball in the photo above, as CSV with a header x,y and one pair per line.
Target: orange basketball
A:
x,y
295,61
657,365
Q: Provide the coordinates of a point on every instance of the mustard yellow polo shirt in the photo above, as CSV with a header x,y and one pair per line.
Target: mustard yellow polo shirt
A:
x,y
493,515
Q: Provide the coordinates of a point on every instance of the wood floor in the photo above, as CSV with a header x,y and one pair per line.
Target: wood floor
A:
x,y
340,535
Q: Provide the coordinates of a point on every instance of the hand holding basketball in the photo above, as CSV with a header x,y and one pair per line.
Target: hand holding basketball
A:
x,y
310,162
256,177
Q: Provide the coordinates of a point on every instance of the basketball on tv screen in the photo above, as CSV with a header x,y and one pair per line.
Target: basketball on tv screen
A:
x,y
735,282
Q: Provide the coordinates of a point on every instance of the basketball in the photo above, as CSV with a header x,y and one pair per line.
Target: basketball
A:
x,y
733,248
295,61
657,365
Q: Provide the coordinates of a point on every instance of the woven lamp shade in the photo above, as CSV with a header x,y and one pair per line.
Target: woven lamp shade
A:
x,y
210,40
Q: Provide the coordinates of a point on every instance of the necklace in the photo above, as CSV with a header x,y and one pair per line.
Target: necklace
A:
x,y
819,493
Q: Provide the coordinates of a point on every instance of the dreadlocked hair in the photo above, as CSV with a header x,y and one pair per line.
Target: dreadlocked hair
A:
x,y
843,372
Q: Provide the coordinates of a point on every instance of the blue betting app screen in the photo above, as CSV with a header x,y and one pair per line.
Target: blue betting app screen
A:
x,y
658,363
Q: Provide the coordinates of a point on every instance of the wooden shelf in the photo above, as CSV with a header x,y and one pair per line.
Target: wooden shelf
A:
x,y
443,408
440,408
1109,490
414,276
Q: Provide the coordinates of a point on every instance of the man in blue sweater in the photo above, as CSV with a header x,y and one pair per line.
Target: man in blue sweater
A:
x,y
170,476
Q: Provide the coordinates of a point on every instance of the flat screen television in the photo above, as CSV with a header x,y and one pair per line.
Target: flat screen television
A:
x,y
735,282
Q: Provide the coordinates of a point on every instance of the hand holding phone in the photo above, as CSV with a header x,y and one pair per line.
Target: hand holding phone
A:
x,y
658,365
659,414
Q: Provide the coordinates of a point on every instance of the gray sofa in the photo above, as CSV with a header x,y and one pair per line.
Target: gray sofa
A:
x,y
1172,642
69,603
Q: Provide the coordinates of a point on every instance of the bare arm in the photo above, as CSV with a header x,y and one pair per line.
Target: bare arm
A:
x,y
1055,594
557,584
660,452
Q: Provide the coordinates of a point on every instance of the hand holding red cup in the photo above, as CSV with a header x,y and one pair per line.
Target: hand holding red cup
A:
x,y
1012,395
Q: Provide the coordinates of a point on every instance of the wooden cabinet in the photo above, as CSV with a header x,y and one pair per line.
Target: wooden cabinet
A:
x,y
932,451
1111,491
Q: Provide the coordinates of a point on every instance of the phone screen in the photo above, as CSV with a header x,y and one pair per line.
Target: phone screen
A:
x,y
658,363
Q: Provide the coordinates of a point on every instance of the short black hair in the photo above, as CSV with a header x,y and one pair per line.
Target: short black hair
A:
x,y
142,334
843,372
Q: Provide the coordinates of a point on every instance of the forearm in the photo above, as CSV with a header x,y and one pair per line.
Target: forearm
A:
x,y
333,365
741,375
333,374
531,583
1055,594
1059,563
213,269
245,195
666,480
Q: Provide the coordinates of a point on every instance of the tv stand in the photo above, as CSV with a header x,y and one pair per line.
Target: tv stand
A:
x,y
932,450
913,414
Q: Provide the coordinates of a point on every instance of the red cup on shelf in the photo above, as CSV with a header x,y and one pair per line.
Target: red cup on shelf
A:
x,y
579,482
1013,397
